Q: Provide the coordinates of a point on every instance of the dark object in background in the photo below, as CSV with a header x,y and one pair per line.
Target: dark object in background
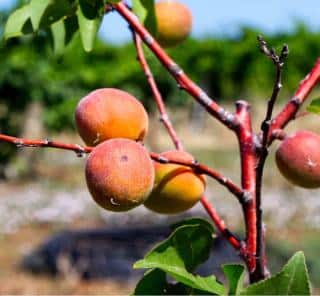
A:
x,y
93,254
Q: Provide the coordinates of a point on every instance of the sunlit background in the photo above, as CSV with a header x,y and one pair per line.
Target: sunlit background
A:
x,y
43,191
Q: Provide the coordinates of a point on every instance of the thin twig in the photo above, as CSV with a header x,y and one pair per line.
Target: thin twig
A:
x,y
290,110
198,167
203,169
225,117
164,117
278,61
47,143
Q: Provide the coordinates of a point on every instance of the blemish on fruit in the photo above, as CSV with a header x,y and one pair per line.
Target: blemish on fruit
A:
x,y
124,158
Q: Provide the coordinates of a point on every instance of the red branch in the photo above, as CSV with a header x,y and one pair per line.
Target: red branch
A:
x,y
233,240
225,117
20,142
248,179
291,108
164,117
202,169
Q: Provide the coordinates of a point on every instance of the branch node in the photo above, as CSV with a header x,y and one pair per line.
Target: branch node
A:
x,y
279,134
164,117
19,143
148,39
148,73
175,69
205,98
195,162
247,196
228,118
81,151
47,141
296,101
162,159
242,104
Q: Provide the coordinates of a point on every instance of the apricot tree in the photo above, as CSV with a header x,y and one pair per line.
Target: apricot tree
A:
x,y
119,171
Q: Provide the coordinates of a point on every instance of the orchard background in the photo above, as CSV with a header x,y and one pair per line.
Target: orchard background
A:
x,y
43,192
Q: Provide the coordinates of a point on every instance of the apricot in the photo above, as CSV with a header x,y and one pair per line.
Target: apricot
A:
x,y
108,113
298,159
174,22
119,174
177,188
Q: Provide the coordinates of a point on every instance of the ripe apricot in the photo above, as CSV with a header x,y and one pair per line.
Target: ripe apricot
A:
x,y
298,159
177,188
119,174
108,113
174,22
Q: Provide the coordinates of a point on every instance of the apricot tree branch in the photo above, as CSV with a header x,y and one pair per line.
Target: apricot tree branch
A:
x,y
164,117
203,169
232,239
21,142
199,168
278,61
246,139
225,117
290,110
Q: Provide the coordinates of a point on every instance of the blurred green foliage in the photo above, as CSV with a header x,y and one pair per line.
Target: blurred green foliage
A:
x,y
228,68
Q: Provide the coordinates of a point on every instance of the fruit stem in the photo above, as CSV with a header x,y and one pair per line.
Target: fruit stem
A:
x,y
290,110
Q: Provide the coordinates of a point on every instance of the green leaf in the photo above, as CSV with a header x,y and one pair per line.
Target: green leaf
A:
x,y
59,34
314,107
62,33
145,11
57,10
89,22
194,221
37,9
71,26
181,253
292,280
17,23
235,274
153,283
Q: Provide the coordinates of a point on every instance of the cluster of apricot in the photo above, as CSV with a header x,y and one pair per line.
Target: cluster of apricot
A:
x,y
119,172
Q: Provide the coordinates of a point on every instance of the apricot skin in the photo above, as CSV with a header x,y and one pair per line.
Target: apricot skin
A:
x,y
110,113
174,22
298,159
177,188
119,174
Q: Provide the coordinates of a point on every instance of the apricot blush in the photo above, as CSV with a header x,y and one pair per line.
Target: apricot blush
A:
x,y
177,188
110,113
119,174
298,159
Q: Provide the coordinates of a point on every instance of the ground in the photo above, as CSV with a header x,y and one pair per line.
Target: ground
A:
x,y
32,210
